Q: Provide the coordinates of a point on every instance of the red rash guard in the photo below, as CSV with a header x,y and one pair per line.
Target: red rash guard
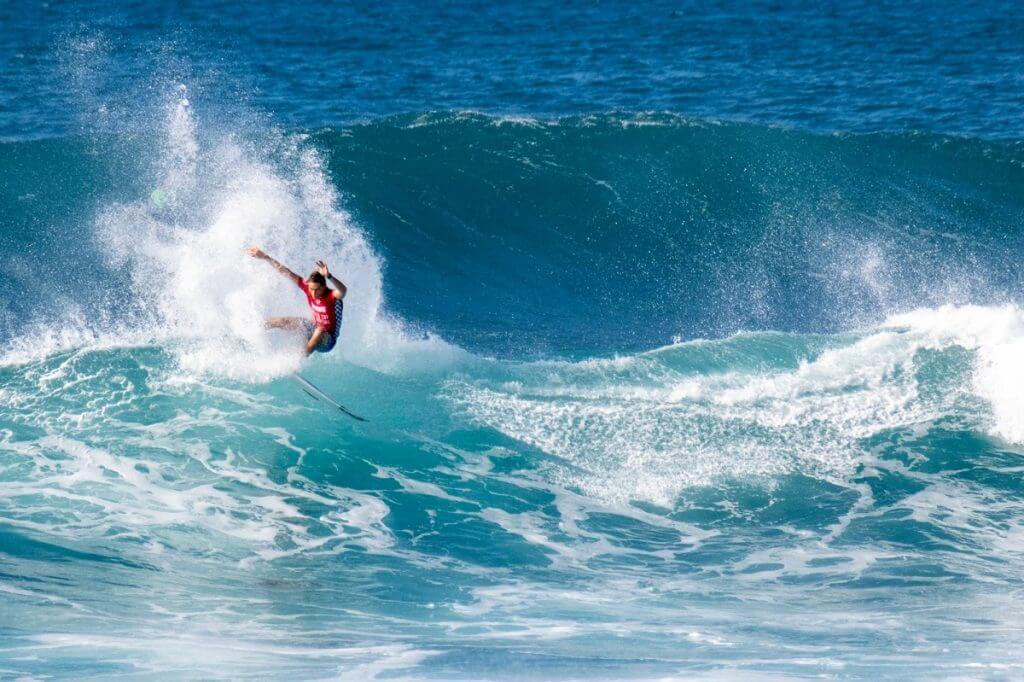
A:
x,y
324,310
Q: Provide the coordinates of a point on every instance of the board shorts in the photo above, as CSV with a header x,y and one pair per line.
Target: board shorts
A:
x,y
327,341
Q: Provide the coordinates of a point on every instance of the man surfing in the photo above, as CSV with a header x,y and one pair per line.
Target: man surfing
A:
x,y
325,304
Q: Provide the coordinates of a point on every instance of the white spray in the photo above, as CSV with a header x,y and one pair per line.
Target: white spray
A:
x,y
184,246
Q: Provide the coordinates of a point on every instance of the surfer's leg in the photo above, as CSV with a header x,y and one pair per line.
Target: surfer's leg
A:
x,y
295,324
314,340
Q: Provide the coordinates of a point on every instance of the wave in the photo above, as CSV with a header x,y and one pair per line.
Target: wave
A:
x,y
620,232
570,429
522,237
569,239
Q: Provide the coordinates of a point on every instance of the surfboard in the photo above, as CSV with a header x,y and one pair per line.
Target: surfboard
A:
x,y
315,392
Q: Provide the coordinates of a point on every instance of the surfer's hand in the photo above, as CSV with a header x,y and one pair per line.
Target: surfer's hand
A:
x,y
322,268
256,252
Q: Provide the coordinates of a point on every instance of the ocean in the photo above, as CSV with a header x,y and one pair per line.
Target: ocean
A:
x,y
690,338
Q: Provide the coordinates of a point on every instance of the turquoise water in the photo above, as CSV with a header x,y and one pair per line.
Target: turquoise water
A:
x,y
730,390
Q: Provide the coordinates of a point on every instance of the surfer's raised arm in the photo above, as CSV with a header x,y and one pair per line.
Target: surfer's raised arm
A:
x,y
339,286
258,253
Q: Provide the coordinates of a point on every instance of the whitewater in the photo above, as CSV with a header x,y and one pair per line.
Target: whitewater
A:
x,y
651,396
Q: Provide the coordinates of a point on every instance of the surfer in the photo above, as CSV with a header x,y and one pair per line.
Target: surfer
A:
x,y
325,304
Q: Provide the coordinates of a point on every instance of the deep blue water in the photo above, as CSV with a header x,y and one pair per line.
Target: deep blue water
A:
x,y
690,337
950,67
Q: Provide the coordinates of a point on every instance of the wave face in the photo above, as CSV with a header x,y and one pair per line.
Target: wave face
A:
x,y
648,397
622,232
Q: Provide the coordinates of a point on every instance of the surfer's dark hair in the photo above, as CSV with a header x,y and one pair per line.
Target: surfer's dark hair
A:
x,y
318,278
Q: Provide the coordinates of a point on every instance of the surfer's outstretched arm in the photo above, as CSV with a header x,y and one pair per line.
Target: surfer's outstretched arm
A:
x,y
258,253
339,286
